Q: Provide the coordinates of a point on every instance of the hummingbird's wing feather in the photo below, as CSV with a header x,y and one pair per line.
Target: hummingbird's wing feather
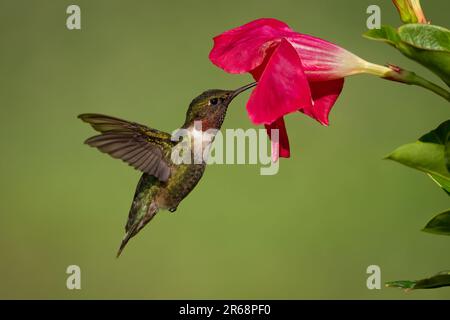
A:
x,y
144,148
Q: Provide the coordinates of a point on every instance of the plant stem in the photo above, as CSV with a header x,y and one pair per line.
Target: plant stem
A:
x,y
409,77
424,83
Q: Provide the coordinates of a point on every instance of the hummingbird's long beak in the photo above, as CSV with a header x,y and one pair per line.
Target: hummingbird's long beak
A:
x,y
240,90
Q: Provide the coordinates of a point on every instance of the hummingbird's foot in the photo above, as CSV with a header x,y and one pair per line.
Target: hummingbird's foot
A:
x,y
172,210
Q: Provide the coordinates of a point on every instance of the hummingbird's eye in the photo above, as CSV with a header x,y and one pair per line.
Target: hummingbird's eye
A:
x,y
213,101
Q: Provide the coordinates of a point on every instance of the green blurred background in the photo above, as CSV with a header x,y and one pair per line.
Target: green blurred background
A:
x,y
309,232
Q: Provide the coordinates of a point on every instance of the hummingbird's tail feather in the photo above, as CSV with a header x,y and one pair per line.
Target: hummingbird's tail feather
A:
x,y
125,240
137,226
142,210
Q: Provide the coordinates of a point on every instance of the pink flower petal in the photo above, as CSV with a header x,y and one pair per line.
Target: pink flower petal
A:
x,y
279,148
282,88
323,60
243,48
324,95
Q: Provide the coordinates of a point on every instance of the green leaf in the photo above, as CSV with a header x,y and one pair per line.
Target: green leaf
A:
x,y
441,182
442,279
427,44
404,284
386,34
426,37
430,154
440,224
426,157
440,135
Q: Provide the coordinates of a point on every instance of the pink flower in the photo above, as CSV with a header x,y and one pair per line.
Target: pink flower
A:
x,y
295,72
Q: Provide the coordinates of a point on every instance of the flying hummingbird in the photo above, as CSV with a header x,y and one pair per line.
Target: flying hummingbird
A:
x,y
163,184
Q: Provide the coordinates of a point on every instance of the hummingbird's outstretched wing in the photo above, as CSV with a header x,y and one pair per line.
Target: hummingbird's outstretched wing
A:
x,y
144,148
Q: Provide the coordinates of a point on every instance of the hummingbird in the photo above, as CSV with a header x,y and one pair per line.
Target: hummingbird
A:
x,y
164,183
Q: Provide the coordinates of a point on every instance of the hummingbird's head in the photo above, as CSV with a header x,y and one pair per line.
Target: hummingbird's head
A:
x,y
211,106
